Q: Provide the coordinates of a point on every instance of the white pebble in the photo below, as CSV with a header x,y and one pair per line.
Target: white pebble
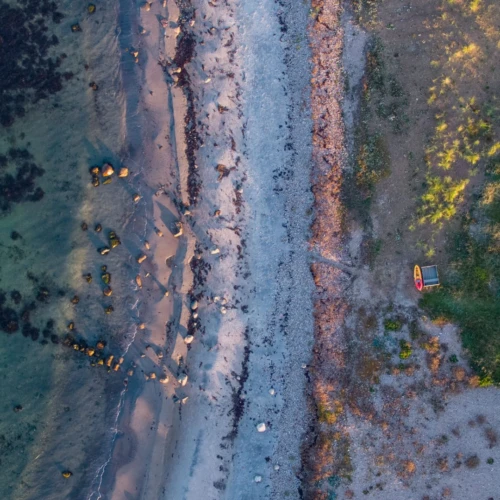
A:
x,y
261,427
272,391
276,467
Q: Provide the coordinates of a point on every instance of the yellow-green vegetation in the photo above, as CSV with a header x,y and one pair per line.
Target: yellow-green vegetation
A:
x,y
470,294
392,325
405,349
328,416
441,199
465,136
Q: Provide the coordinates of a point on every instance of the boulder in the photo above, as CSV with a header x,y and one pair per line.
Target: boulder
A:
x,y
180,229
106,278
164,379
261,427
188,339
138,281
194,305
107,292
258,479
141,258
66,474
107,170
182,379
123,172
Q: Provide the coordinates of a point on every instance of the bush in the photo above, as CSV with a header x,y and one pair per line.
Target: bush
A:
x,y
392,325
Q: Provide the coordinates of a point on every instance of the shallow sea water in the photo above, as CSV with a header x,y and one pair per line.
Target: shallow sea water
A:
x,y
68,407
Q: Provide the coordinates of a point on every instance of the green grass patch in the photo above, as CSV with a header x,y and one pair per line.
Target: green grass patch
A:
x,y
470,293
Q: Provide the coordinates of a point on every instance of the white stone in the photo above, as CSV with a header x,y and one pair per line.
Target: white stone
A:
x,y
272,391
261,427
183,378
276,467
258,479
215,251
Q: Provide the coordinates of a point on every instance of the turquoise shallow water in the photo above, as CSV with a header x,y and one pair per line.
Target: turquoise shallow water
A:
x,y
57,412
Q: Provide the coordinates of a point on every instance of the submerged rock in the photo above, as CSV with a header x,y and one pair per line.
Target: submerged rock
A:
x,y
84,226
88,278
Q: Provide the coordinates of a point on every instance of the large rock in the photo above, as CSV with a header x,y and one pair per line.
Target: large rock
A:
x,y
261,427
107,170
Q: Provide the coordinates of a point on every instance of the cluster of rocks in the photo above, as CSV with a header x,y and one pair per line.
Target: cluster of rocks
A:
x,y
96,353
104,174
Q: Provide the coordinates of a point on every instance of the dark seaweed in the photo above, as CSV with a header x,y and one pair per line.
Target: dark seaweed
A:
x,y
27,72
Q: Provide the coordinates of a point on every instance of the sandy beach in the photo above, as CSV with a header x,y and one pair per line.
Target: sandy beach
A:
x,y
233,321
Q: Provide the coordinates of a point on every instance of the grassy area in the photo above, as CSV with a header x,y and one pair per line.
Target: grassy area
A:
x,y
470,295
